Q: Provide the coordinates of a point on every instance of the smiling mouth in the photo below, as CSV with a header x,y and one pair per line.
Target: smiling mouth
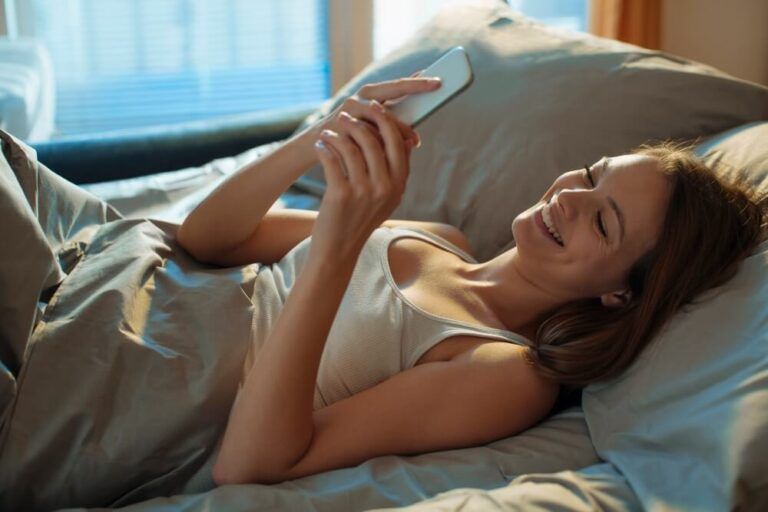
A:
x,y
539,220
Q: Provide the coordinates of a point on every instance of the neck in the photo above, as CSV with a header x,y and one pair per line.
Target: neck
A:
x,y
517,302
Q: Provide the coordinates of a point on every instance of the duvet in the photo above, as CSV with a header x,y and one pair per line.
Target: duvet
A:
x,y
121,356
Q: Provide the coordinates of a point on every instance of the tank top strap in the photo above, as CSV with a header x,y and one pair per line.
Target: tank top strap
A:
x,y
430,328
424,334
442,242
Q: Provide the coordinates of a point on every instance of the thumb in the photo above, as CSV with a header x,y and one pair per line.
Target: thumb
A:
x,y
392,89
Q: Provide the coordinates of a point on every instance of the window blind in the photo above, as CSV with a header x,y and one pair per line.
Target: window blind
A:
x,y
133,63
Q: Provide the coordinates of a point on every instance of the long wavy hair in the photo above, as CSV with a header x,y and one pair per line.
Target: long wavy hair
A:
x,y
711,224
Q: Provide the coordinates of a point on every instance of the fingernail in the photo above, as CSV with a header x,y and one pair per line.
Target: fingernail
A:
x,y
378,106
325,133
319,144
434,80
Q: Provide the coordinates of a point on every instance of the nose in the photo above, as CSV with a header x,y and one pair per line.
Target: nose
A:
x,y
572,200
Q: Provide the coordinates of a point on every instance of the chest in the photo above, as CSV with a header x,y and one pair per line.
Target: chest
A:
x,y
427,276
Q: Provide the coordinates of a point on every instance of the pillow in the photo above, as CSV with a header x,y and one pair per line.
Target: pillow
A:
x,y
741,150
37,255
686,424
544,101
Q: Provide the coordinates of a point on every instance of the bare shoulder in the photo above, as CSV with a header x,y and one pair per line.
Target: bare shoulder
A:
x,y
511,356
441,229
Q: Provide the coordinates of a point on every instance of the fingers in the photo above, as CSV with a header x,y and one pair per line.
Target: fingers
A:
x,y
365,111
332,166
372,149
392,89
394,146
407,131
350,155
377,155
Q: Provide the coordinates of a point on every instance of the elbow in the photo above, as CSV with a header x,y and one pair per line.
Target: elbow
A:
x,y
219,477
223,475
182,238
235,471
193,249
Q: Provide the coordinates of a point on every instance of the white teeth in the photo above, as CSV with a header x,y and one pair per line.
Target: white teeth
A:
x,y
550,225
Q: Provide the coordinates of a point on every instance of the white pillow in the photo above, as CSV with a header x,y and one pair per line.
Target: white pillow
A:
x,y
543,101
687,423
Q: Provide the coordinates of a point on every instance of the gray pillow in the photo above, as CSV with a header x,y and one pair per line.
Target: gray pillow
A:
x,y
544,101
741,150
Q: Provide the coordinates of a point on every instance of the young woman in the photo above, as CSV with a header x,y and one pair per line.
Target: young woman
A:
x,y
601,262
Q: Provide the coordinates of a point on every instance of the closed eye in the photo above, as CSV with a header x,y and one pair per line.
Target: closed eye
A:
x,y
599,217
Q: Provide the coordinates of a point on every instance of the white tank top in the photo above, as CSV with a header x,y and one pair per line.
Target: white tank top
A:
x,y
377,331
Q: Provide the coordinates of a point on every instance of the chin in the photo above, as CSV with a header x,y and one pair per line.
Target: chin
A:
x,y
526,234
520,226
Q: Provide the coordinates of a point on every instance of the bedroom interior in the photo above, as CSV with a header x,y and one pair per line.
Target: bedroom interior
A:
x,y
121,353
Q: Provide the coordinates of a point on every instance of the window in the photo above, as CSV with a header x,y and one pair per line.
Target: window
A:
x,y
129,63
396,20
123,64
568,14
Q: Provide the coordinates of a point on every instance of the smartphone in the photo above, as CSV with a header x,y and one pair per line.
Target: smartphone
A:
x,y
454,69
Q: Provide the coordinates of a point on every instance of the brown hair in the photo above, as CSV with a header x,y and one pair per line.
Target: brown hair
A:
x,y
711,224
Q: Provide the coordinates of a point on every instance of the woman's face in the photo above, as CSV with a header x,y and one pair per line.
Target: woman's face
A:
x,y
604,228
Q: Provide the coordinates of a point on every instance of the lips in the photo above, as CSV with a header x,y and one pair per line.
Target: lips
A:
x,y
543,228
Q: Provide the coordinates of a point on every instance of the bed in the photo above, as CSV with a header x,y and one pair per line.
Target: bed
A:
x,y
121,354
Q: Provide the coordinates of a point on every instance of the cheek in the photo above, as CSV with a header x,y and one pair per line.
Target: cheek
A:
x,y
583,265
604,273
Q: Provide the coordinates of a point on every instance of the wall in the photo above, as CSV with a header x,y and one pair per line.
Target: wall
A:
x,y
729,35
351,44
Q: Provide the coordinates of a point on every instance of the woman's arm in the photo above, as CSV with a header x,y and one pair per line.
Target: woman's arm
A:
x,y
270,426
229,215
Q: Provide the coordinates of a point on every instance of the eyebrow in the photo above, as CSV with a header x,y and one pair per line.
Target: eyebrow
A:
x,y
614,205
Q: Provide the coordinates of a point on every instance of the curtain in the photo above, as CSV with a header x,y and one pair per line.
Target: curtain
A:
x,y
632,21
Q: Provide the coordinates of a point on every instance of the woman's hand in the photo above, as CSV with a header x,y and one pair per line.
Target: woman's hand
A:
x,y
360,104
366,170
